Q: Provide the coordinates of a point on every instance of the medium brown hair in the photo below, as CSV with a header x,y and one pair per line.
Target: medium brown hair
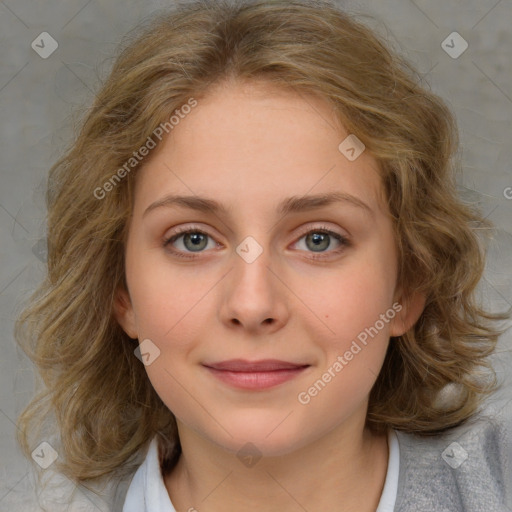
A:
x,y
98,391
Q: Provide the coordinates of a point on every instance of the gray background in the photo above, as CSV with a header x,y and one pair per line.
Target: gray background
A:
x,y
40,98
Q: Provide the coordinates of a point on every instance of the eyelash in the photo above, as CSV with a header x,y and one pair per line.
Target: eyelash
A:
x,y
324,230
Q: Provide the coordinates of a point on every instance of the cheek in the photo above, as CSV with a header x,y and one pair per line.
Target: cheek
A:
x,y
352,299
358,309
166,300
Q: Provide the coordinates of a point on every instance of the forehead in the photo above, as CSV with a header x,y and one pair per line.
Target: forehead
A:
x,y
257,141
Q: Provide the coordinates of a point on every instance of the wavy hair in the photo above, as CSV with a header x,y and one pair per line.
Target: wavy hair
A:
x,y
94,387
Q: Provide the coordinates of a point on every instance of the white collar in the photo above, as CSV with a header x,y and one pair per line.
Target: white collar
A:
x,y
147,491
388,496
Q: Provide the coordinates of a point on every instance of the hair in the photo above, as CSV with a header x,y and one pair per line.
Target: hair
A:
x,y
94,387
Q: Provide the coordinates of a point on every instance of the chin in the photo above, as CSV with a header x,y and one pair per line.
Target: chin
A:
x,y
266,436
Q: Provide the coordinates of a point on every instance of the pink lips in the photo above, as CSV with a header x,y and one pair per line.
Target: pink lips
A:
x,y
255,374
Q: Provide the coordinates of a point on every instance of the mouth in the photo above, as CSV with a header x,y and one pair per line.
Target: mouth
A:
x,y
255,375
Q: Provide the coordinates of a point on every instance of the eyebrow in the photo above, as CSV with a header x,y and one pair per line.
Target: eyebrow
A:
x,y
294,204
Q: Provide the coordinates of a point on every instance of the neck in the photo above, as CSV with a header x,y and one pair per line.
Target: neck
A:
x,y
349,463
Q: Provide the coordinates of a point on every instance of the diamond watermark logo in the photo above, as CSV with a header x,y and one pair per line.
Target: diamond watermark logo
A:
x,y
454,45
40,250
147,352
454,455
249,250
249,455
351,147
44,45
44,455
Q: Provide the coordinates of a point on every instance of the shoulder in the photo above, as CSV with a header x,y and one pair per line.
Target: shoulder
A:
x,y
51,491
467,469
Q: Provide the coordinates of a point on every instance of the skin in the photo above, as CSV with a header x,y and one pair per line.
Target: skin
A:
x,y
249,146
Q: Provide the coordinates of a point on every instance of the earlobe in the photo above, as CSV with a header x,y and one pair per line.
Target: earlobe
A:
x,y
124,314
411,308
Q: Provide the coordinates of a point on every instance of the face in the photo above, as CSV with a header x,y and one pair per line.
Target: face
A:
x,y
259,286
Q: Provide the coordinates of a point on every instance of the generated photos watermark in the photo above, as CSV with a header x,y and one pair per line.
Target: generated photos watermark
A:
x,y
132,162
304,397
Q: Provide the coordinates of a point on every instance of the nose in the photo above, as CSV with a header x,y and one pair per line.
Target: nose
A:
x,y
254,297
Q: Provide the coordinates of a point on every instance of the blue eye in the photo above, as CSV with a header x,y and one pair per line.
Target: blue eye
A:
x,y
320,240
193,240
317,241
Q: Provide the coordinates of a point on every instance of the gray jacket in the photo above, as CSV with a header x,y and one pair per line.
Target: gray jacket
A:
x,y
467,469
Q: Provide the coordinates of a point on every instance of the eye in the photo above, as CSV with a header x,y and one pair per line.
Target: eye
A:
x,y
189,240
320,240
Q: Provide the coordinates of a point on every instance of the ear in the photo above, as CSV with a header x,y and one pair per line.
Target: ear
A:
x,y
412,305
124,314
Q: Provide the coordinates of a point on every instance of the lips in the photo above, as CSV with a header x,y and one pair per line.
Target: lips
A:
x,y
267,365
255,375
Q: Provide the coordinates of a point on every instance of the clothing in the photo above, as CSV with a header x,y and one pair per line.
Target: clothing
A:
x,y
434,475
466,469
147,492
390,491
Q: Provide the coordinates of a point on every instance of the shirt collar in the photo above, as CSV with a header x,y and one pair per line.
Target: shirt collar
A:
x,y
147,491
